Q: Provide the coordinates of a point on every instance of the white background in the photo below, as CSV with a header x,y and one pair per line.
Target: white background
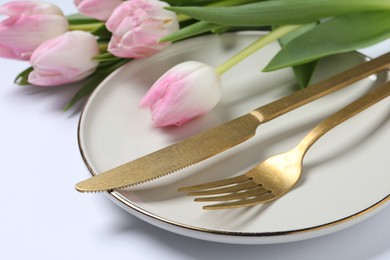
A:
x,y
43,217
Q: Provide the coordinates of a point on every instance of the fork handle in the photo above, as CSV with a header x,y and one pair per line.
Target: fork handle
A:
x,y
342,115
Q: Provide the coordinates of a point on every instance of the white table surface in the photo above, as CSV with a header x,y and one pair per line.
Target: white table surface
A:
x,y
43,217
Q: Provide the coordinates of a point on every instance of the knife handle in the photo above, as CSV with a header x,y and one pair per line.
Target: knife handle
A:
x,y
322,88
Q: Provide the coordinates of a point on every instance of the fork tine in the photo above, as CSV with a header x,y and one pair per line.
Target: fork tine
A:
x,y
214,184
234,196
229,189
242,203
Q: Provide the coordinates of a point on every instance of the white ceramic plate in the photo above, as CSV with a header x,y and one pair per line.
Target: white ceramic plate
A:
x,y
346,173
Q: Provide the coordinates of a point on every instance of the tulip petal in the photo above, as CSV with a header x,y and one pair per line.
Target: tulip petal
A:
x,y
29,24
64,59
186,91
18,8
98,9
137,26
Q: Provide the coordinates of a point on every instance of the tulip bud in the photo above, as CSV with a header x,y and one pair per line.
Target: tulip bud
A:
x,y
64,59
98,9
188,90
138,25
29,23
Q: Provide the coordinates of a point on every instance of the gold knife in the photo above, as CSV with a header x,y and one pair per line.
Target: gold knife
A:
x,y
216,140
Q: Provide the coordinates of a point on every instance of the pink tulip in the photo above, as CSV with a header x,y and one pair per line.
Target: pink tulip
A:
x,y
137,26
98,9
188,90
64,59
27,26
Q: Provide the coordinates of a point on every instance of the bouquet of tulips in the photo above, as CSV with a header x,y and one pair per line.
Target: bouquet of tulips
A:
x,y
106,34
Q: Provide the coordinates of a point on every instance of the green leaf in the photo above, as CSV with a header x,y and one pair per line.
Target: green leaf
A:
x,y
220,30
294,34
102,32
191,30
189,2
303,73
338,35
93,81
208,2
280,12
22,77
86,90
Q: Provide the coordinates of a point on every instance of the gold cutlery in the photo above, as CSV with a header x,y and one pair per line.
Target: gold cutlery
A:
x,y
216,140
278,174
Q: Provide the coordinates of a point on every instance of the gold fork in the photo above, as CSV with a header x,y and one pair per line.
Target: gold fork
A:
x,y
277,175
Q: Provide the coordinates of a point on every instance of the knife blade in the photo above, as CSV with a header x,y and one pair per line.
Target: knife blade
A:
x,y
218,139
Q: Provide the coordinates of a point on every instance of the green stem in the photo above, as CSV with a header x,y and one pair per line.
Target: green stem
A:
x,y
85,27
255,46
103,47
183,17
